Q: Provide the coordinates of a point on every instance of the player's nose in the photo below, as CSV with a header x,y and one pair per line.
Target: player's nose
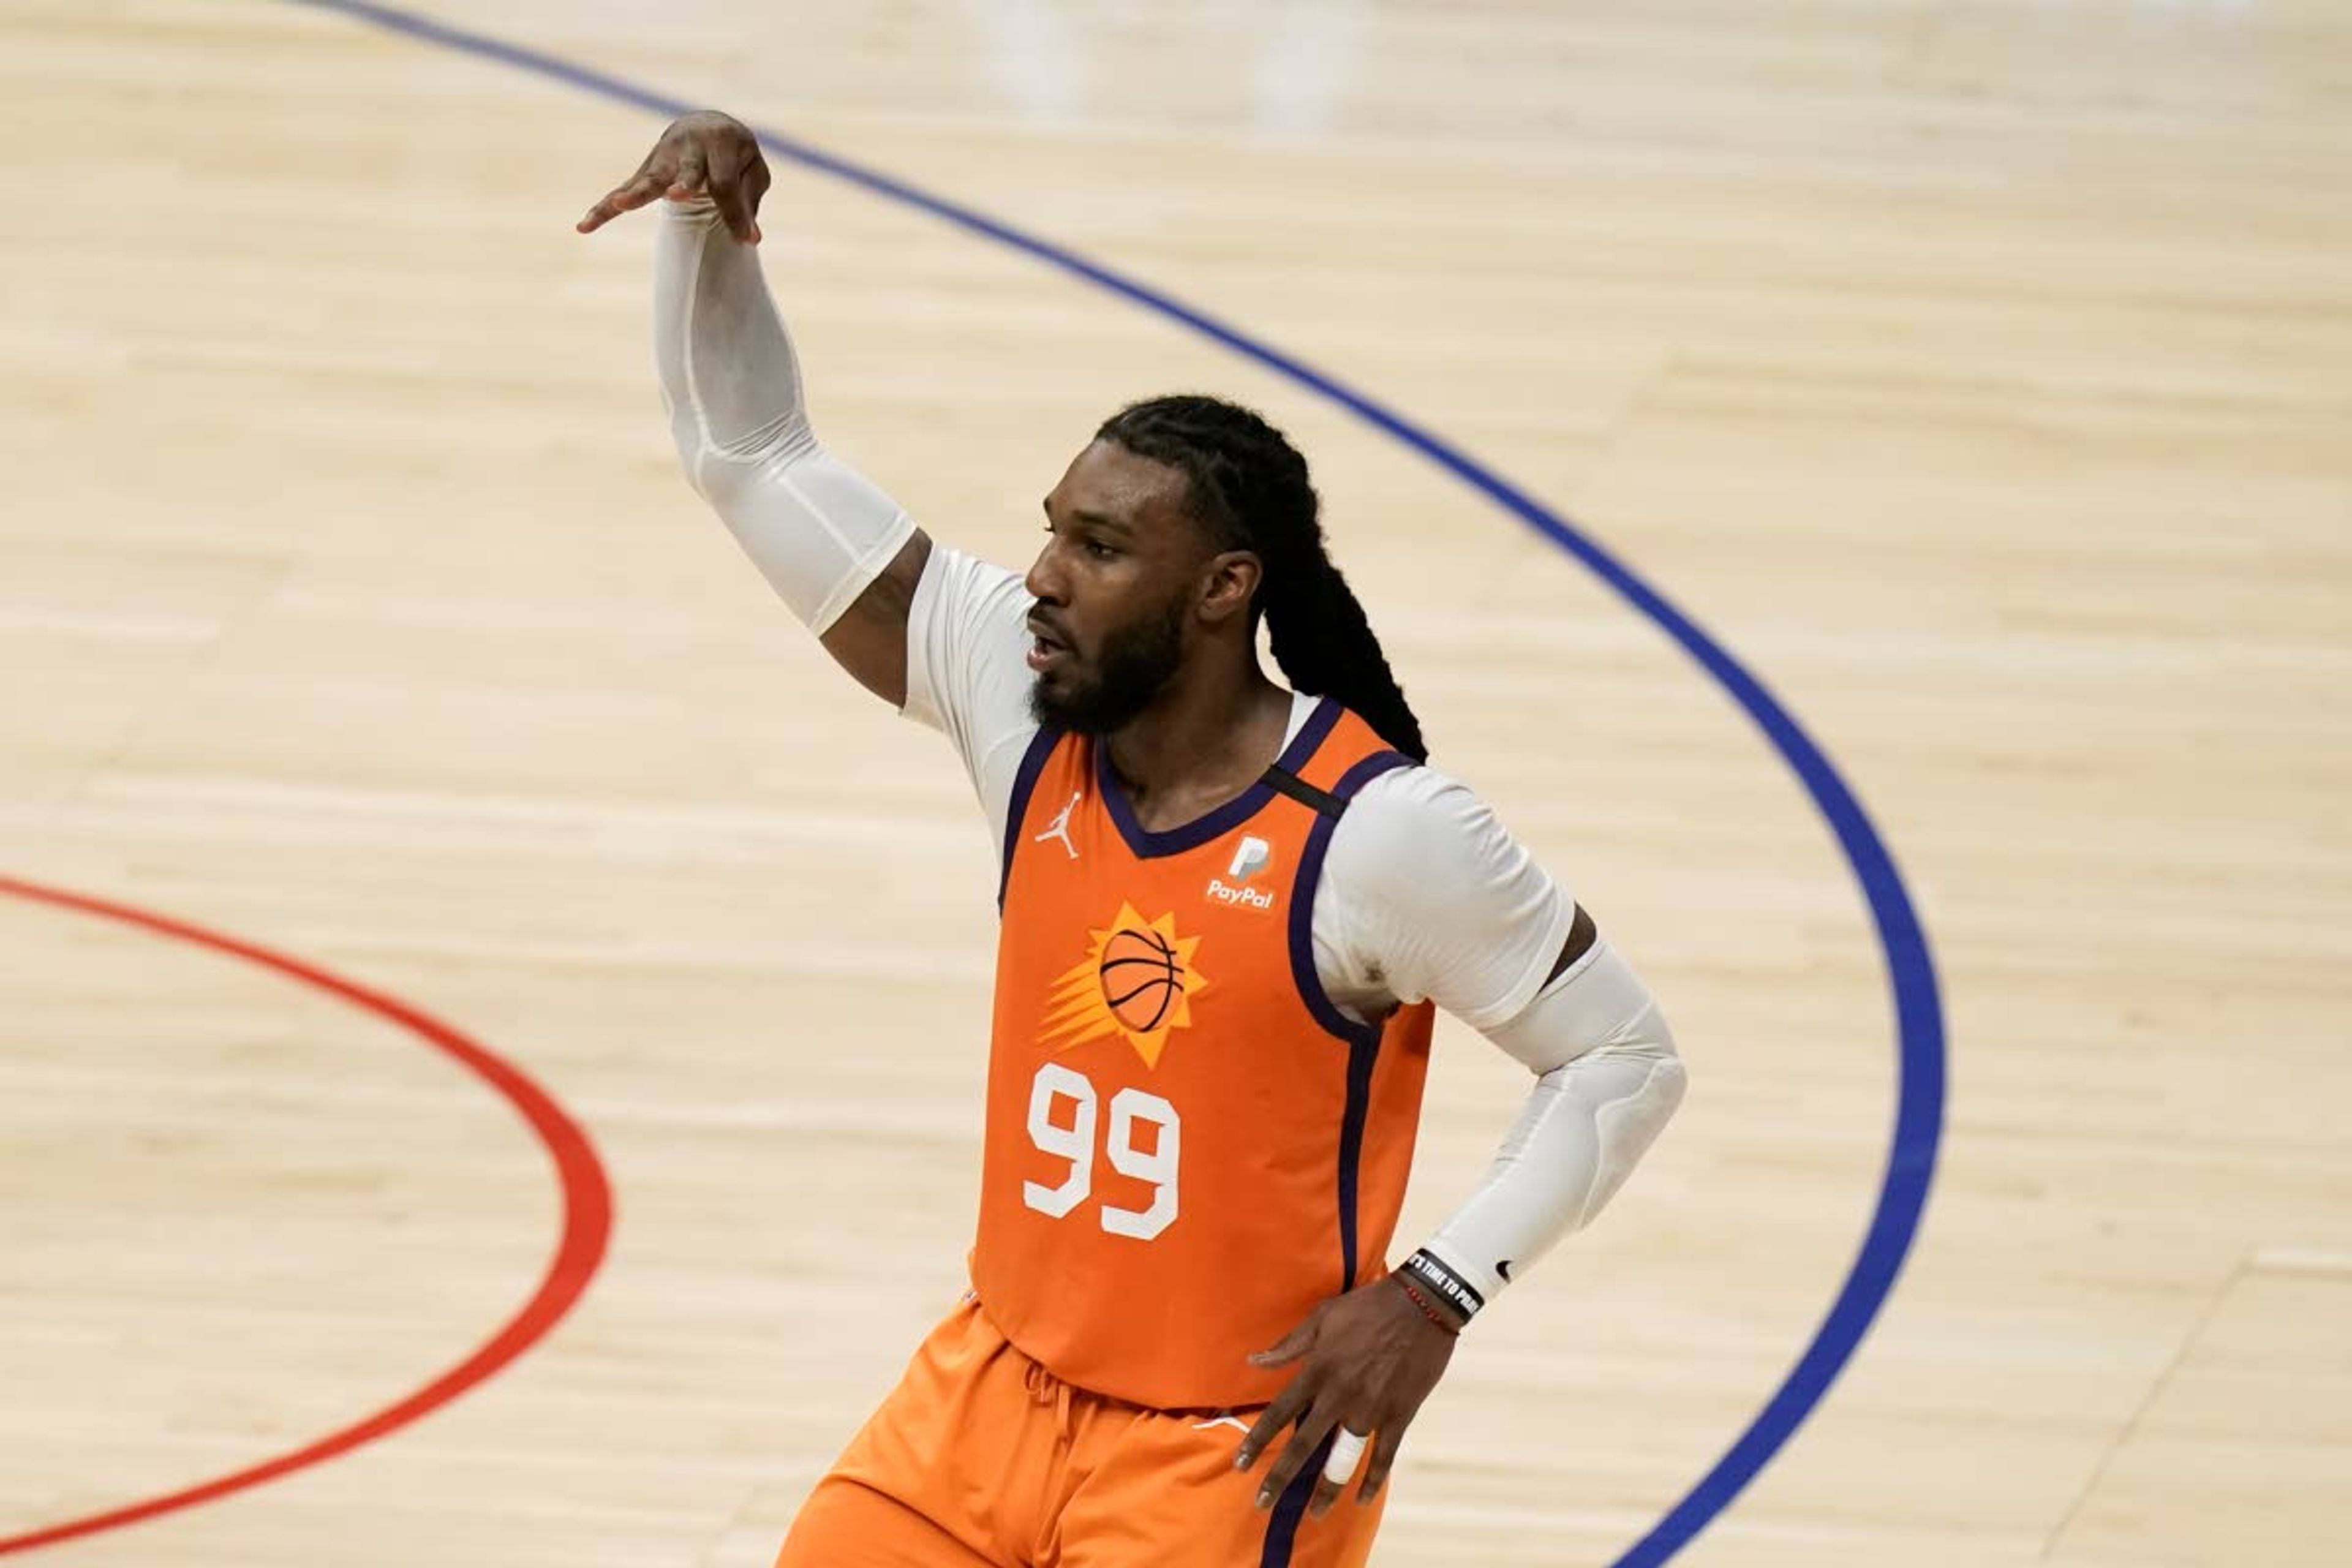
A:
x,y
1046,582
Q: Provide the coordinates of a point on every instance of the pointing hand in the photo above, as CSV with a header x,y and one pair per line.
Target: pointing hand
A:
x,y
702,153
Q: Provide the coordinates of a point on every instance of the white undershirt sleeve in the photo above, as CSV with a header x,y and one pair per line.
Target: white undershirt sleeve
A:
x,y
818,530
1426,894
1430,896
1608,1080
967,671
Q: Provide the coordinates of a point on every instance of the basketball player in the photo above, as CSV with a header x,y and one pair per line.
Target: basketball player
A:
x,y
1228,907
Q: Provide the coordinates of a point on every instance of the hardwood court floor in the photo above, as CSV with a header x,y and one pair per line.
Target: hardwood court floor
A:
x,y
1981,375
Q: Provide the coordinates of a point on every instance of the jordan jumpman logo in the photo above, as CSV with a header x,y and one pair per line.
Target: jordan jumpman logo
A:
x,y
1060,827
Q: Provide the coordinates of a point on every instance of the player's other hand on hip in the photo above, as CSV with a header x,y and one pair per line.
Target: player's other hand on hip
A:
x,y
1366,1360
705,153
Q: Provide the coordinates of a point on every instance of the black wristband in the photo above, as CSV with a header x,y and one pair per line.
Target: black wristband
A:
x,y
1441,1282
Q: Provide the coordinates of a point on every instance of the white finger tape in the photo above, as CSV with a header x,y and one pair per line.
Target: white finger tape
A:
x,y
1347,1448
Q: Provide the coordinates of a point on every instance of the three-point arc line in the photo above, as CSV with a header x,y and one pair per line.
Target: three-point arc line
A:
x,y
587,1216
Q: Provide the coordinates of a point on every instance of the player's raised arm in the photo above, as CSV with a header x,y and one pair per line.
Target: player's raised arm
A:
x,y
841,553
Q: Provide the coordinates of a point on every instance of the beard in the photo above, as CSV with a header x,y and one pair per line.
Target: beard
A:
x,y
1136,665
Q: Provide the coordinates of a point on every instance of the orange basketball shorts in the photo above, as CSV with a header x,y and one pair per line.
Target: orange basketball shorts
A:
x,y
982,1459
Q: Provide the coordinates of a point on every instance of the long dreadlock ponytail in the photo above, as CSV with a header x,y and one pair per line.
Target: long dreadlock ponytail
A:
x,y
1251,489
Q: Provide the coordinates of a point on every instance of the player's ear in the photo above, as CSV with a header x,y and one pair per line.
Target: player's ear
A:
x,y
1228,581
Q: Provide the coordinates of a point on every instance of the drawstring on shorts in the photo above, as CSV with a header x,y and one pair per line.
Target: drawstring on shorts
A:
x,y
1046,1389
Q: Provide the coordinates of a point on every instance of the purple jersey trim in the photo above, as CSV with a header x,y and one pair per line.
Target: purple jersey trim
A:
x,y
1147,845
1024,784
1282,1529
1363,1039
1302,900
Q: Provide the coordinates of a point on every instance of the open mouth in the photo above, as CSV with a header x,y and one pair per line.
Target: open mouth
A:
x,y
1045,647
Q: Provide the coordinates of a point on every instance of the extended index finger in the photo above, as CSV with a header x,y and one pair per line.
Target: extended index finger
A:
x,y
622,198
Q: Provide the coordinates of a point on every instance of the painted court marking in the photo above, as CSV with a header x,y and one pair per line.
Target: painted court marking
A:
x,y
587,1216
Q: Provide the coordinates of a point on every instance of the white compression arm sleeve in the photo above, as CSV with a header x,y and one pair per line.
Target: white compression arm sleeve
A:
x,y
818,530
1608,1080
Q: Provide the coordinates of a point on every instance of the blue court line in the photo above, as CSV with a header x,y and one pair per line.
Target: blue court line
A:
x,y
1910,968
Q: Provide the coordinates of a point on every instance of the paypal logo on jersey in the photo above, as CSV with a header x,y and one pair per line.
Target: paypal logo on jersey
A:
x,y
1253,855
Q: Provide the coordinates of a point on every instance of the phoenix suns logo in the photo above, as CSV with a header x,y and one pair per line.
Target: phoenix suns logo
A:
x,y
1137,980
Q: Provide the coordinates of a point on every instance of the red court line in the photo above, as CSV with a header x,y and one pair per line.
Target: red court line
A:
x,y
587,1218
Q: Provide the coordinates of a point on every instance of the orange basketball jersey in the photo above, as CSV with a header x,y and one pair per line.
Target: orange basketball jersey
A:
x,y
1188,1144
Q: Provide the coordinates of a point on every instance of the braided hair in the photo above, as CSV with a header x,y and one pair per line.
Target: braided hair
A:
x,y
1250,489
